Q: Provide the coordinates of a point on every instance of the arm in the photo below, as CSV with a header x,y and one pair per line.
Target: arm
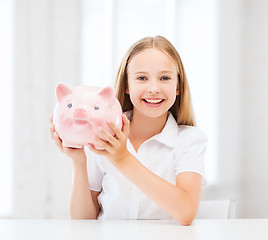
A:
x,y
84,204
180,200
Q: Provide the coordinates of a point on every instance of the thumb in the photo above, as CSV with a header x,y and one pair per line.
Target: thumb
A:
x,y
126,124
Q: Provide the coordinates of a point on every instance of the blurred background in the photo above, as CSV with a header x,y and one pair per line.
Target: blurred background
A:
x,y
222,43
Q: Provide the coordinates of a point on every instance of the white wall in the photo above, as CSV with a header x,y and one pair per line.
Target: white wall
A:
x,y
6,98
228,163
243,114
48,50
254,150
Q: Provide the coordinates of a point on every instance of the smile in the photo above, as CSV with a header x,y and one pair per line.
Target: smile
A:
x,y
154,101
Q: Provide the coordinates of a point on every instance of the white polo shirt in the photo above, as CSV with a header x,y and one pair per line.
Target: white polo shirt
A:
x,y
175,150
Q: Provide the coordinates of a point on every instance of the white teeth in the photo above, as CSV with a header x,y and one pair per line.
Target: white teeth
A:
x,y
153,101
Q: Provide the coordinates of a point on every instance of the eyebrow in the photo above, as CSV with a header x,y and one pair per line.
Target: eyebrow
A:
x,y
141,72
167,71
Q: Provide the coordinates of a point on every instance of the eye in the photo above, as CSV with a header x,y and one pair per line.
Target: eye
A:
x,y
142,78
97,107
69,105
165,78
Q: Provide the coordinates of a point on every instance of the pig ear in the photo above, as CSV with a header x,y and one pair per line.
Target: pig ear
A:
x,y
108,94
62,90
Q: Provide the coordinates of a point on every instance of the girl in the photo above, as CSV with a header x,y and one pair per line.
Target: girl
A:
x,y
153,167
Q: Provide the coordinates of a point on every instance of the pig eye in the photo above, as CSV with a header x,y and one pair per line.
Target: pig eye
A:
x,y
96,107
69,105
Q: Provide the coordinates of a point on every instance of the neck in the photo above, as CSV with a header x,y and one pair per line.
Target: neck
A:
x,y
143,127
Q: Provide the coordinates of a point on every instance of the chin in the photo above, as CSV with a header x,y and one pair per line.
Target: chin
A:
x,y
154,114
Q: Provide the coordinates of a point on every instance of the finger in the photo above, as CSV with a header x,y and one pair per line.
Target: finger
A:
x,y
52,126
57,138
97,151
116,130
51,118
57,141
126,124
68,150
52,129
106,136
102,143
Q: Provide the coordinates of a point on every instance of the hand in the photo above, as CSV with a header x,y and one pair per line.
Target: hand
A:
x,y
77,154
113,147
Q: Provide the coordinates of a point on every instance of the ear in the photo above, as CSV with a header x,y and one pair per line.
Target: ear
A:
x,y
108,94
62,90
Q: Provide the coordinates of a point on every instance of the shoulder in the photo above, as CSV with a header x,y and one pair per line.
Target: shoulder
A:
x,y
190,136
175,135
190,131
190,151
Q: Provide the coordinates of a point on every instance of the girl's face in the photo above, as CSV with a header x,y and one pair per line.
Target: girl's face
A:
x,y
152,83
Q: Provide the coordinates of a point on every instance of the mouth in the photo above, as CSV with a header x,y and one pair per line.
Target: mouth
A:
x,y
155,102
80,122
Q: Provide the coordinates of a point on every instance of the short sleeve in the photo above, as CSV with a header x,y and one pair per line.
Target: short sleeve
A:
x,y
95,174
190,151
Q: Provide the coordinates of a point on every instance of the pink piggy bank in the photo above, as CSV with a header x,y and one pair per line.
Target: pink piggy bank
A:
x,y
81,110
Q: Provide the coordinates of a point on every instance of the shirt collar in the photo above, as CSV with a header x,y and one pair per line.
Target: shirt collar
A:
x,y
169,133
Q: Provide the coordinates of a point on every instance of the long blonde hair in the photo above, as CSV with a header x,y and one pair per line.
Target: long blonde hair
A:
x,y
182,107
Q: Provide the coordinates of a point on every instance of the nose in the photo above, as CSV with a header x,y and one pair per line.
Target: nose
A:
x,y
154,86
80,113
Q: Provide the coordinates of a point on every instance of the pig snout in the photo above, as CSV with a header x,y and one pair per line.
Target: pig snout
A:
x,y
80,113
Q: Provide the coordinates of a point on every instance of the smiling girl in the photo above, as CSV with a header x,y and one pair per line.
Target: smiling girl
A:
x,y
153,168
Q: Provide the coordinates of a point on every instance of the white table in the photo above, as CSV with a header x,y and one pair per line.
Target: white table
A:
x,y
253,229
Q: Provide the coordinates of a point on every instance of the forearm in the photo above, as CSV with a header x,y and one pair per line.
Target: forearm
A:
x,y
173,199
180,201
82,205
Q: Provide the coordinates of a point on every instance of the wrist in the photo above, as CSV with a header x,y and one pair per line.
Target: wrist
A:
x,y
122,160
80,162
